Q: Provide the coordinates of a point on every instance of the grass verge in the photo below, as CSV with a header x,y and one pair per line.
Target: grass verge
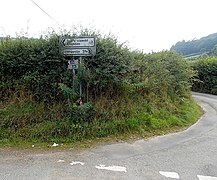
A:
x,y
25,124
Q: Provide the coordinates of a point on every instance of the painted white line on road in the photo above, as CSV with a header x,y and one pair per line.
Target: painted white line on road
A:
x,y
112,168
60,161
206,177
76,162
173,175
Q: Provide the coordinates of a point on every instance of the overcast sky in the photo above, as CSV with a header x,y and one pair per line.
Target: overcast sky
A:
x,y
149,25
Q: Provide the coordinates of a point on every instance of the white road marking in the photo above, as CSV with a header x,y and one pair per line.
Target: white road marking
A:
x,y
76,162
206,177
60,161
173,175
112,168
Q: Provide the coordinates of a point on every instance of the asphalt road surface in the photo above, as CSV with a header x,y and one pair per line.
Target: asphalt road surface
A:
x,y
188,155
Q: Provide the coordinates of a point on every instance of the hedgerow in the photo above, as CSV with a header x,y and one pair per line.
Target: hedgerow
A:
x,y
123,91
207,75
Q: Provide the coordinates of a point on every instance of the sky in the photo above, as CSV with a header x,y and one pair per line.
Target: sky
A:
x,y
148,25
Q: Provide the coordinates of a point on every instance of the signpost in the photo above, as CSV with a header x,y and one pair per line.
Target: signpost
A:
x,y
77,47
73,64
77,52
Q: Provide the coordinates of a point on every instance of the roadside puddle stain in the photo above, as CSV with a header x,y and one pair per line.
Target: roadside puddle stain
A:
x,y
173,175
76,162
206,177
112,168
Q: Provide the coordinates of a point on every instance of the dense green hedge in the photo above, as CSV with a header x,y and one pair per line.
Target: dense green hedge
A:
x,y
165,74
123,90
33,65
36,67
207,75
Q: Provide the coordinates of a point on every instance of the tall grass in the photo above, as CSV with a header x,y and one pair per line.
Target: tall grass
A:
x,y
38,123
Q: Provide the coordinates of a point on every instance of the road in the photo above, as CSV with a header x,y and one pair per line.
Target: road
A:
x,y
188,155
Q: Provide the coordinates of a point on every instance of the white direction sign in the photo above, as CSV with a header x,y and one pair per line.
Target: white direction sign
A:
x,y
78,42
77,52
78,46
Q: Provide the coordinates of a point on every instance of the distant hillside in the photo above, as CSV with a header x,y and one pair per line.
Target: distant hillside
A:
x,y
199,46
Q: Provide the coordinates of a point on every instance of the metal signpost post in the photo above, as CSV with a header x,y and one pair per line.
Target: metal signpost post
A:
x,y
77,47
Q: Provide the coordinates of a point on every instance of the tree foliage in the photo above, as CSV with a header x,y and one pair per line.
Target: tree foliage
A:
x,y
198,46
